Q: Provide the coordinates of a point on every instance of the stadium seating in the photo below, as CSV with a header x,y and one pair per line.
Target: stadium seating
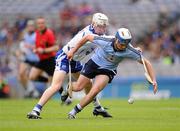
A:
x,y
136,16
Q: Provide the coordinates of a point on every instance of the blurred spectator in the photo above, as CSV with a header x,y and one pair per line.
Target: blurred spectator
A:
x,y
155,45
162,39
3,32
45,49
72,20
85,9
66,16
175,37
27,57
163,20
177,44
4,88
21,22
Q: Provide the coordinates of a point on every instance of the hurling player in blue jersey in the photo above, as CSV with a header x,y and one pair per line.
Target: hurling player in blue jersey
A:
x,y
103,64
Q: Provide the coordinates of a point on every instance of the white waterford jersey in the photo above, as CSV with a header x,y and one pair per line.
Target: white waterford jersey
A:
x,y
86,49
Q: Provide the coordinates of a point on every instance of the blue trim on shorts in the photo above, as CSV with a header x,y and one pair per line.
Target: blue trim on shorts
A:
x,y
62,63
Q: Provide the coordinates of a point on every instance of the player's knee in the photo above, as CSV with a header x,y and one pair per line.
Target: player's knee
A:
x,y
56,87
77,89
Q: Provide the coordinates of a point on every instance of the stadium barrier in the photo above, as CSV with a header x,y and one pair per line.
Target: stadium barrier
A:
x,y
138,88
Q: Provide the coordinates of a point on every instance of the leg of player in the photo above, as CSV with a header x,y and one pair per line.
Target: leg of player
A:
x,y
50,80
30,90
98,109
58,79
76,88
23,67
34,73
100,82
86,84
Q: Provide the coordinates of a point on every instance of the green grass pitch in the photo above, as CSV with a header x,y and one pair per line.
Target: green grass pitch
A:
x,y
157,115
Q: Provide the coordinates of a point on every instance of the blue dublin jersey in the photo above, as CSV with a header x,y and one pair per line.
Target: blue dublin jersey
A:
x,y
107,57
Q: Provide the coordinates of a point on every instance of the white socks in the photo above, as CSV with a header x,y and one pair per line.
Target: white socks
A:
x,y
76,110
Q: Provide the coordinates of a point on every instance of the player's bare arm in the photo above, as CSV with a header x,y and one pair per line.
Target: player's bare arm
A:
x,y
80,43
151,73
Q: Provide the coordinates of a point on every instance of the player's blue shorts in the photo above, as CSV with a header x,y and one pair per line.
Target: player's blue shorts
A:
x,y
91,70
62,63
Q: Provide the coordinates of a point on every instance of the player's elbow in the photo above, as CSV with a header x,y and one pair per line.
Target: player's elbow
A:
x,y
89,38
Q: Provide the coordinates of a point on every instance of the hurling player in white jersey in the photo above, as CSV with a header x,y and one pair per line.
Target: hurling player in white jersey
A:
x,y
98,27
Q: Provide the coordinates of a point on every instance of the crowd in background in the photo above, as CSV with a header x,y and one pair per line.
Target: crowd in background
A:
x,y
73,19
162,40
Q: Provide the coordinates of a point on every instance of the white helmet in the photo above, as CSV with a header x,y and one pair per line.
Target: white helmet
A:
x,y
100,19
124,36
